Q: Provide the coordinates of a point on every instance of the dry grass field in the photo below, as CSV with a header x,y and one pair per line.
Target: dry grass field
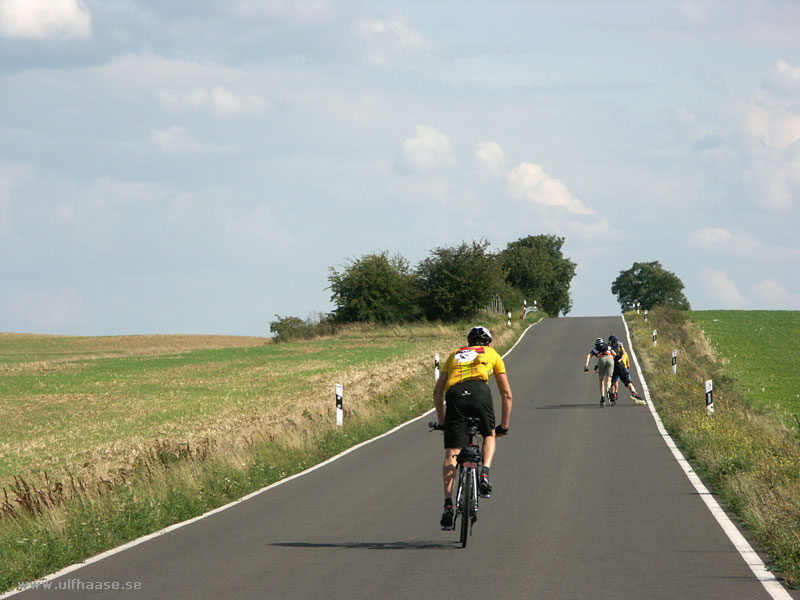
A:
x,y
91,406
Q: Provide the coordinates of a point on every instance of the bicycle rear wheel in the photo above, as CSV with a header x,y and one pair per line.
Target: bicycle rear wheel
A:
x,y
467,500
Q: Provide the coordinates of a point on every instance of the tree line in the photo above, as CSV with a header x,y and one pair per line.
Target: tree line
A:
x,y
455,283
451,284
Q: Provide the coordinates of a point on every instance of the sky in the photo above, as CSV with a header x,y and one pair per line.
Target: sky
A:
x,y
198,167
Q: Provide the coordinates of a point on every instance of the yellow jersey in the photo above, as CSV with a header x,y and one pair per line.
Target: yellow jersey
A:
x,y
625,360
472,363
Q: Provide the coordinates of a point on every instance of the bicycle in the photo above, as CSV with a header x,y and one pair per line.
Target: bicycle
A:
x,y
469,461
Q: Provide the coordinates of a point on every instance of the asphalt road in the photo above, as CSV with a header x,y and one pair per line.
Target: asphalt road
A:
x,y
588,503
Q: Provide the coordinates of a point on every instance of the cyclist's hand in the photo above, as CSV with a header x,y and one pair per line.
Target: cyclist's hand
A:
x,y
500,431
585,369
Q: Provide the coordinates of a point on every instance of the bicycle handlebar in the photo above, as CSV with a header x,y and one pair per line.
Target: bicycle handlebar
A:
x,y
436,427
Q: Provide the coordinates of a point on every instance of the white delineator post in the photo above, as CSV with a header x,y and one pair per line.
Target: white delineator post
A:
x,y
645,315
710,397
509,319
655,334
674,361
339,409
436,366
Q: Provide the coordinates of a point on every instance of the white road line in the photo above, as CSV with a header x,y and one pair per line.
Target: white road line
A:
x,y
753,560
150,536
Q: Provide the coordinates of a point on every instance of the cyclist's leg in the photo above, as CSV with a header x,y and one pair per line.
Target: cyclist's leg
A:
x,y
455,436
488,450
449,470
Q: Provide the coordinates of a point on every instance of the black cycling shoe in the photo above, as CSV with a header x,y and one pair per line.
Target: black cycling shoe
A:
x,y
485,486
447,517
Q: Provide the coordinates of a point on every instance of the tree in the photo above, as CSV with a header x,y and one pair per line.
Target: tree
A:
x,y
456,282
375,288
650,285
536,266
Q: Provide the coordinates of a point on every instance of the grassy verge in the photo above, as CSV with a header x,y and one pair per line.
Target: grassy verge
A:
x,y
749,455
51,524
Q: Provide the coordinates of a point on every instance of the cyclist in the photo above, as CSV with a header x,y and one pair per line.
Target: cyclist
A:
x,y
605,367
463,385
621,372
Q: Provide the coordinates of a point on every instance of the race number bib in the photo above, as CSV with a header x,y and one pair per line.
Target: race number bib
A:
x,y
467,355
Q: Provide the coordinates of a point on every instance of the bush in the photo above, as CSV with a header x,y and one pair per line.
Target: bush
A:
x,y
456,283
295,328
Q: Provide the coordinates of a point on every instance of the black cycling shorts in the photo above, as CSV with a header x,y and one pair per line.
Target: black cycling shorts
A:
x,y
621,373
467,399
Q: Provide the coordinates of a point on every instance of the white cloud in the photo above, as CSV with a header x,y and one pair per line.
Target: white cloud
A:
x,y
219,99
710,237
744,245
773,123
391,40
490,159
530,182
784,79
45,19
771,295
429,150
176,140
772,128
721,289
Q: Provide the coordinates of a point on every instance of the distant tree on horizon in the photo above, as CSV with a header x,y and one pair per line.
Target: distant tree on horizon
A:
x,y
457,282
649,285
377,288
537,267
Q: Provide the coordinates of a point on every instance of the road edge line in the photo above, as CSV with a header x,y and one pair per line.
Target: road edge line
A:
x,y
771,584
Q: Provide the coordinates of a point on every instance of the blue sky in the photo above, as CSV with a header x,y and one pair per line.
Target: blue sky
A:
x,y
197,167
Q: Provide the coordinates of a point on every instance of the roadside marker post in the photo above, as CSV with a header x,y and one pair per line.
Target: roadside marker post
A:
x,y
339,409
436,365
509,319
655,335
524,309
674,361
645,315
710,397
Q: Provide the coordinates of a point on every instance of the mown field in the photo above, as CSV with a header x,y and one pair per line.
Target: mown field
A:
x,y
103,440
748,451
761,351
96,404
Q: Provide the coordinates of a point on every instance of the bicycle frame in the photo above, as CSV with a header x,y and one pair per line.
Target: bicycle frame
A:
x,y
467,497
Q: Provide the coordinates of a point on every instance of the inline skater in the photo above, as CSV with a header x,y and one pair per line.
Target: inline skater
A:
x,y
621,371
605,368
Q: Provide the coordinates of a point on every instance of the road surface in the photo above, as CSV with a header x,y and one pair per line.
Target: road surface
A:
x,y
588,503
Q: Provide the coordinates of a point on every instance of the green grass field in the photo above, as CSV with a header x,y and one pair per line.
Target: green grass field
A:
x,y
763,353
